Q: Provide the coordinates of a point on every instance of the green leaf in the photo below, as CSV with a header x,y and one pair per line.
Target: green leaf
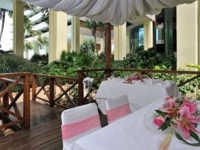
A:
x,y
195,136
161,113
163,126
180,138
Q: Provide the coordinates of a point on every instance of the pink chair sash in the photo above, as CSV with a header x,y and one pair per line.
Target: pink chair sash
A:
x,y
118,112
76,128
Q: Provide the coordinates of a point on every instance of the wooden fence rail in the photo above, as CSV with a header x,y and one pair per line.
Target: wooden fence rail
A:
x,y
9,81
51,81
22,80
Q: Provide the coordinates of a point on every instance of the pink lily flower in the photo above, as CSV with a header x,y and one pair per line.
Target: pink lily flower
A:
x,y
185,121
170,107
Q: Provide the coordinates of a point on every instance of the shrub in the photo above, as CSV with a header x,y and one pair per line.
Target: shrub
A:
x,y
40,59
11,63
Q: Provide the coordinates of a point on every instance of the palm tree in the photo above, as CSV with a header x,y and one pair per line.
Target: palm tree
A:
x,y
92,25
45,15
27,45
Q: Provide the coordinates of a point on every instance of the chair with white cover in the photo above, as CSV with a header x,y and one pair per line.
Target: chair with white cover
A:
x,y
78,122
117,108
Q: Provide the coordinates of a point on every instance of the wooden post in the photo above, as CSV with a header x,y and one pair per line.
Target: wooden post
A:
x,y
33,87
6,98
80,88
26,100
108,49
51,92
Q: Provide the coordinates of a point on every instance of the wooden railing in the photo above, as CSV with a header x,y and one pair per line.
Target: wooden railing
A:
x,y
8,108
49,82
84,73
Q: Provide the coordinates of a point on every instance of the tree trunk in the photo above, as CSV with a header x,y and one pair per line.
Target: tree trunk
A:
x,y
95,44
2,23
108,49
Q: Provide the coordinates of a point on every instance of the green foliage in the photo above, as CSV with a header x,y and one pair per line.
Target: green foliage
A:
x,y
11,63
179,78
102,56
70,63
5,52
28,45
39,59
88,48
148,59
57,69
73,59
45,15
92,25
41,41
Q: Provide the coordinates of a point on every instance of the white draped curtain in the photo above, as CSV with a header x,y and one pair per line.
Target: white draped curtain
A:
x,y
117,12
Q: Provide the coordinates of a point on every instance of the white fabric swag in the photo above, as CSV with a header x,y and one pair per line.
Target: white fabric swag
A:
x,y
117,12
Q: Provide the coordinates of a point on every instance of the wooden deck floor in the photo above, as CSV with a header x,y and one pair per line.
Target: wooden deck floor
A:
x,y
44,132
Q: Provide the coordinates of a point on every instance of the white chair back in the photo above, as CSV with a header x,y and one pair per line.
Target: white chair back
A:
x,y
117,107
77,122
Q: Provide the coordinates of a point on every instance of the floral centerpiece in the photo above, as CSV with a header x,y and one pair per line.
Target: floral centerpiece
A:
x,y
181,114
136,76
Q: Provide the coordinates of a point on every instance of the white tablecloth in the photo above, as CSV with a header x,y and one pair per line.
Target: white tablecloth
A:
x,y
138,95
133,132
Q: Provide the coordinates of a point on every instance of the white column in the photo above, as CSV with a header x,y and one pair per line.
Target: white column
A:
x,y
57,34
148,34
187,34
81,39
75,32
18,28
120,42
102,45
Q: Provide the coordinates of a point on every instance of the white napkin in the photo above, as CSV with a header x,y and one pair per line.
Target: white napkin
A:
x,y
137,82
88,79
114,79
148,81
158,84
168,82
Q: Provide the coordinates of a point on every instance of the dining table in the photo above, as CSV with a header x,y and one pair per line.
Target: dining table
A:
x,y
139,93
135,131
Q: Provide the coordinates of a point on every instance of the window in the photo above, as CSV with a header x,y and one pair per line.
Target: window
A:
x,y
137,37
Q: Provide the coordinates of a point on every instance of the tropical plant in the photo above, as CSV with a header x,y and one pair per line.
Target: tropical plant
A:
x,y
6,52
92,25
29,31
39,59
45,15
27,45
42,41
88,48
11,63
